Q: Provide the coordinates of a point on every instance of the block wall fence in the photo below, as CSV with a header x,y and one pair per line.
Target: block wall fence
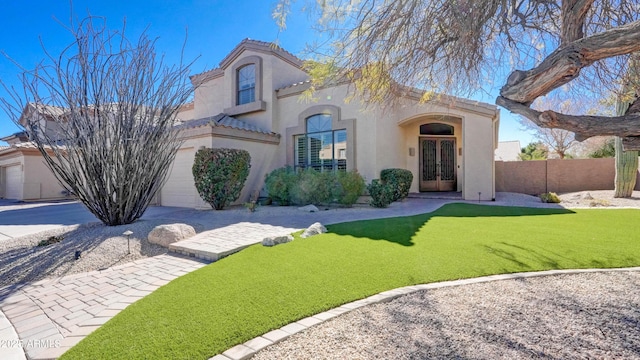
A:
x,y
570,175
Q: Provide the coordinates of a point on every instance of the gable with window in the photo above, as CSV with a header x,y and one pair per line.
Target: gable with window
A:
x,y
246,86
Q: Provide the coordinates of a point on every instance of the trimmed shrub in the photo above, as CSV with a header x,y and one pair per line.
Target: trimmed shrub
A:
x,y
550,197
309,186
399,180
313,187
220,175
349,187
381,194
279,184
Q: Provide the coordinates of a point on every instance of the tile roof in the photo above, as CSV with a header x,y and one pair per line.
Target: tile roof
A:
x,y
223,120
294,85
251,45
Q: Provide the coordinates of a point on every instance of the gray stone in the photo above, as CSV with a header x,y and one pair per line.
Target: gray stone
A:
x,y
314,229
275,240
168,234
309,208
587,196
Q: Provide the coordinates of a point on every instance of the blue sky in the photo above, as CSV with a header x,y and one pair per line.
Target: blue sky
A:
x,y
214,27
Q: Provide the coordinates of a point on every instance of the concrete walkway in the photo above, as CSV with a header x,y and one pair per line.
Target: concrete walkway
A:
x,y
46,318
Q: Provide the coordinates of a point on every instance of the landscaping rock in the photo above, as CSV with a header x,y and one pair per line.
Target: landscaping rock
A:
x,y
168,234
309,208
276,240
314,229
587,196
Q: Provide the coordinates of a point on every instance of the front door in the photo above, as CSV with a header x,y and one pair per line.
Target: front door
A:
x,y
438,164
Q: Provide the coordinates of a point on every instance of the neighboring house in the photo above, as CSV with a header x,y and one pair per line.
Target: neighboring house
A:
x,y
23,174
508,151
252,101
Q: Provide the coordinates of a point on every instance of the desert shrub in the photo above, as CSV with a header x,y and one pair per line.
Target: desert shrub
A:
x,y
348,187
220,175
381,193
279,184
51,240
399,180
313,187
550,197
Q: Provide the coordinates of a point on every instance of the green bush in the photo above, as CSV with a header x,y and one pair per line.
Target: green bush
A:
x,y
313,187
349,187
550,197
399,180
220,174
381,193
280,183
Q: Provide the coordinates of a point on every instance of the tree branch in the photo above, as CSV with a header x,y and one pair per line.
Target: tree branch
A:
x,y
583,126
564,64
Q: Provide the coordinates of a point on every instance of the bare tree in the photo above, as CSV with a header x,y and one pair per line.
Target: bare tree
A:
x,y
102,114
458,46
558,141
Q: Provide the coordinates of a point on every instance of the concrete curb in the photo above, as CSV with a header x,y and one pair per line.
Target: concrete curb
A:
x,y
251,347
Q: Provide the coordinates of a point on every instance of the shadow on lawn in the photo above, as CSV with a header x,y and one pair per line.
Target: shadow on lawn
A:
x,y
401,230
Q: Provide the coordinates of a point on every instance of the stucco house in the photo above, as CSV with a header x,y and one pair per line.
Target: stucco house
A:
x,y
508,151
23,174
253,101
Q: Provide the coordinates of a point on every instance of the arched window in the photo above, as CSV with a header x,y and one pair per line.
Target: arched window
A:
x,y
436,129
321,148
246,85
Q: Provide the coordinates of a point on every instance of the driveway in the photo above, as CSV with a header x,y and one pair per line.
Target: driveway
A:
x,y
20,219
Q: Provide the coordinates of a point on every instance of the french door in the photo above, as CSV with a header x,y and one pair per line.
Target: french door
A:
x,y
437,164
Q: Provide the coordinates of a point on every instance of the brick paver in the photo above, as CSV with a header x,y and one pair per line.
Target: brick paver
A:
x,y
46,318
215,244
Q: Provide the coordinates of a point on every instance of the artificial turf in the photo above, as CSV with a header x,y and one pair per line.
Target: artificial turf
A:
x,y
260,289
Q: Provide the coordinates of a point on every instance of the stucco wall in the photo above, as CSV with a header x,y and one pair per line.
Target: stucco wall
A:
x,y
478,136
180,189
569,175
39,181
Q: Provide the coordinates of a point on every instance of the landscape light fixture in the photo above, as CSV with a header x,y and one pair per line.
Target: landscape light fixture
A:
x,y
128,235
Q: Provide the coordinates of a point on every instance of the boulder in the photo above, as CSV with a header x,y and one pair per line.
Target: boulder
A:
x,y
276,240
309,208
167,234
314,229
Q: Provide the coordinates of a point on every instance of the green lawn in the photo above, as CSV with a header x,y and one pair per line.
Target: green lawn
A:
x,y
260,289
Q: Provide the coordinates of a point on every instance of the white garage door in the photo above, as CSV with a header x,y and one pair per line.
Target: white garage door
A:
x,y
13,181
179,189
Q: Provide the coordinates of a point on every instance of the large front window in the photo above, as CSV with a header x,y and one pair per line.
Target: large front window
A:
x,y
246,84
321,148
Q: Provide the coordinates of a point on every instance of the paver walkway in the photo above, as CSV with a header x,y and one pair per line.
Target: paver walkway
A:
x,y
218,243
50,316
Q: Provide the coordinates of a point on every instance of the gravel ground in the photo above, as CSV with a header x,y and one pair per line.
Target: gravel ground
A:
x,y
21,260
582,316
598,198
